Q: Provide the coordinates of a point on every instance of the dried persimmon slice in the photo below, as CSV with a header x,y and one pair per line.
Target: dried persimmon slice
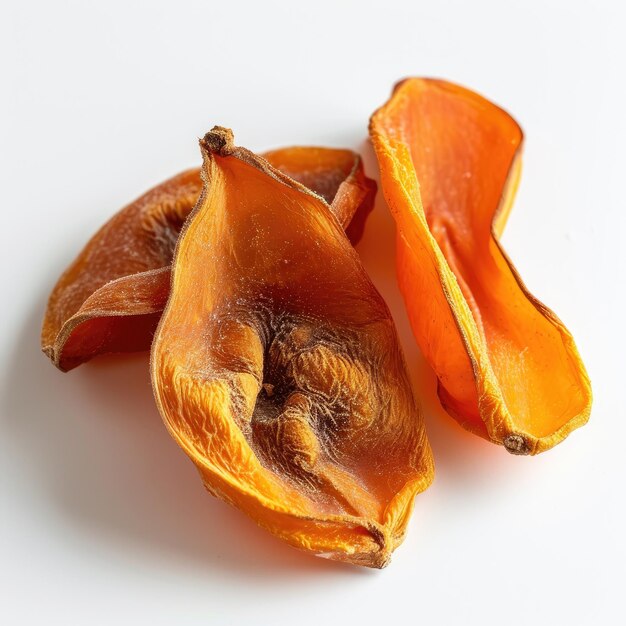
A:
x,y
111,297
276,366
508,368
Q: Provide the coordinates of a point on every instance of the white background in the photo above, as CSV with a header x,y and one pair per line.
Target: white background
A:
x,y
102,519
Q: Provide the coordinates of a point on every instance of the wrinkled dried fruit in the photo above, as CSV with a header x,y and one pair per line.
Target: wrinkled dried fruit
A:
x,y
508,368
277,368
110,299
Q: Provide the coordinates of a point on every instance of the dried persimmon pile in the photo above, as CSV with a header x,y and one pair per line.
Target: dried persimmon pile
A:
x,y
275,363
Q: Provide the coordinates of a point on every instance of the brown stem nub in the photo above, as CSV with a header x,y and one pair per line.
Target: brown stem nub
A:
x,y
516,444
219,140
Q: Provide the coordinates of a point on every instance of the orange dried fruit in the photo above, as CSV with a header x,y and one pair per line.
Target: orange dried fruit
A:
x,y
111,297
277,368
508,369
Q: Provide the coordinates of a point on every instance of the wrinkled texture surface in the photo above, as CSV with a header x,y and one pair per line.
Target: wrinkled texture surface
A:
x,y
277,368
508,368
110,299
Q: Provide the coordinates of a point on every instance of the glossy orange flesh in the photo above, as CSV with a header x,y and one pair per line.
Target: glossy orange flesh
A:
x,y
508,368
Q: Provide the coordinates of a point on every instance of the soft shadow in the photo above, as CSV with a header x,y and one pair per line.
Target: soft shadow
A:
x,y
459,455
92,443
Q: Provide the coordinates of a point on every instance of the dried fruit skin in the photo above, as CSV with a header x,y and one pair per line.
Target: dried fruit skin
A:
x,y
110,299
277,368
508,368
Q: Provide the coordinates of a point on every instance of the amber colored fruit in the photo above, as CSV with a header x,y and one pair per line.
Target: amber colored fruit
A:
x,y
508,368
277,368
110,299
